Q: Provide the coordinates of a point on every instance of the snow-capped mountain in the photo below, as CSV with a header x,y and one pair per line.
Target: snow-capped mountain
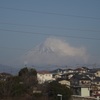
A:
x,y
55,51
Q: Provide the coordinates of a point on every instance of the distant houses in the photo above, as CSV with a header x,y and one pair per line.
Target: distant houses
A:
x,y
4,76
83,81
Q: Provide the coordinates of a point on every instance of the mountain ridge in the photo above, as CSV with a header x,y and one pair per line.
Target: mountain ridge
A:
x,y
55,51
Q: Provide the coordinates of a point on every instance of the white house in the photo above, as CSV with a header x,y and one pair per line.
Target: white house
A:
x,y
85,91
80,70
97,73
70,71
65,82
44,76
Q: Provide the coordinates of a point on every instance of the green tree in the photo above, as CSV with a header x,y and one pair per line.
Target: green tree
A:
x,y
29,78
17,86
27,72
32,72
23,71
55,88
11,87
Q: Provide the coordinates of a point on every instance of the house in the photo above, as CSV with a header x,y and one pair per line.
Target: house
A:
x,y
56,76
57,71
81,70
67,75
66,71
96,72
80,85
87,69
70,71
95,86
96,81
44,76
90,75
96,93
4,76
85,91
80,80
64,82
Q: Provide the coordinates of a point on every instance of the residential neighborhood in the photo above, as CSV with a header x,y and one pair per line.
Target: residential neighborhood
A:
x,y
49,50
83,82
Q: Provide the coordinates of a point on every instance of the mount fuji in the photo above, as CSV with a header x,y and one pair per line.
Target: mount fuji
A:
x,y
54,51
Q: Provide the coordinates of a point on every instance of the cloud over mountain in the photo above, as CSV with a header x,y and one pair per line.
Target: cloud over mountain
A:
x,y
55,51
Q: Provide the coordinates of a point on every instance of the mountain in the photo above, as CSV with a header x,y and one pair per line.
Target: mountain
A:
x,y
54,51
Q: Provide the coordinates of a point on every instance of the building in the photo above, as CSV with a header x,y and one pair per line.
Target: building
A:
x,y
80,85
44,76
96,72
64,82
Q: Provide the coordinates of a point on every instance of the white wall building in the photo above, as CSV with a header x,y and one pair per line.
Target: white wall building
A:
x,y
97,73
85,92
44,76
65,82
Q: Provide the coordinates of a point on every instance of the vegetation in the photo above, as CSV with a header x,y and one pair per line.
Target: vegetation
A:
x,y
55,88
11,87
28,77
21,87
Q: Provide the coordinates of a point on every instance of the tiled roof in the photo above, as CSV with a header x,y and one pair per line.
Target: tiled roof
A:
x,y
97,79
43,72
81,77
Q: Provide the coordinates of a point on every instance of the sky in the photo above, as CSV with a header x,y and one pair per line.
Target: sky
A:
x,y
24,24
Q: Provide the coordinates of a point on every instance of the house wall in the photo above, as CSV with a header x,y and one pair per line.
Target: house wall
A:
x,y
96,83
85,92
97,74
84,82
69,77
65,82
44,78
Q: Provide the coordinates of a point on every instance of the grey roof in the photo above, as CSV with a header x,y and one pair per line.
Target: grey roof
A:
x,y
89,74
56,70
94,70
97,79
81,77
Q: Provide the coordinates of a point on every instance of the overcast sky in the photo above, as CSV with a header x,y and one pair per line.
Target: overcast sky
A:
x,y
26,23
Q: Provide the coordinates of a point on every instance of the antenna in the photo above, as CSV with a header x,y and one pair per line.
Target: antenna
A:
x,y
25,64
94,66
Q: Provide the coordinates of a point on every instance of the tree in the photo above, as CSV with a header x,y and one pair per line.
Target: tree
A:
x,y
32,72
17,86
28,77
55,88
11,87
23,71
27,72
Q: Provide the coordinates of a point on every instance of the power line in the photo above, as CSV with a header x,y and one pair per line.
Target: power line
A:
x,y
50,13
24,32
3,47
21,49
50,27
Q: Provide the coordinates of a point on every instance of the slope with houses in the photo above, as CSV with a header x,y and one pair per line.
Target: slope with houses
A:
x,y
83,81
